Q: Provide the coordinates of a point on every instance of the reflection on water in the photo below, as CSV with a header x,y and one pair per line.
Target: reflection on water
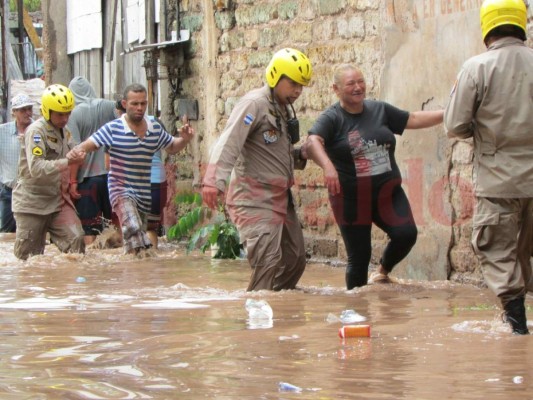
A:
x,y
109,326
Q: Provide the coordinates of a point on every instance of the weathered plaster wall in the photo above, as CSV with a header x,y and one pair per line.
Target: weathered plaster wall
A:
x,y
57,66
410,52
424,44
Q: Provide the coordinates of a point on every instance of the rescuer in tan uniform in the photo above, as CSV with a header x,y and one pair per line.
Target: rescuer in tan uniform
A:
x,y
492,102
256,149
41,201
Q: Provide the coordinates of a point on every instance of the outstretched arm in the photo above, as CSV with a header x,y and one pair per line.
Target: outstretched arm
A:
x,y
78,152
424,119
87,146
186,134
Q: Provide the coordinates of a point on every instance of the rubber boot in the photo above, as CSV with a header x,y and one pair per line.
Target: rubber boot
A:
x,y
515,315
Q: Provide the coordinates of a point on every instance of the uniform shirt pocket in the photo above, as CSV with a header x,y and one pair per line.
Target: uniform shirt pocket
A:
x,y
53,150
487,148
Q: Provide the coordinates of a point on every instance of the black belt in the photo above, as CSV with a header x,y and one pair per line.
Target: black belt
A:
x,y
7,187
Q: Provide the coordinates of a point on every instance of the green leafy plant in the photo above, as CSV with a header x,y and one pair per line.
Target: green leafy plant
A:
x,y
204,229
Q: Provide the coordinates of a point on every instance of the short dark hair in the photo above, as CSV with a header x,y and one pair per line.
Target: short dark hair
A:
x,y
119,106
135,88
506,30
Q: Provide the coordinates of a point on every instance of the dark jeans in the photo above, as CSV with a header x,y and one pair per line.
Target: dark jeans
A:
x,y
391,213
159,201
6,215
93,207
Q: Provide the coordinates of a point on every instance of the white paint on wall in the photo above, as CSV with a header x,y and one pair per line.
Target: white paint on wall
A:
x,y
136,21
84,25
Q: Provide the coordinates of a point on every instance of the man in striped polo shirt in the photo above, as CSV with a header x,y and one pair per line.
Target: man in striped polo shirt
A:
x,y
131,141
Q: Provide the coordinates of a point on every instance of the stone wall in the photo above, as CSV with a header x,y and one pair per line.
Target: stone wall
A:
x,y
410,52
227,57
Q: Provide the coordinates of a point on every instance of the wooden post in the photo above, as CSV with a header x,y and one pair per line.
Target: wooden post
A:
x,y
32,33
4,44
110,42
20,7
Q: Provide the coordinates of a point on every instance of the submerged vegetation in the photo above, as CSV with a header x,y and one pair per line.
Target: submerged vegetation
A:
x,y
203,229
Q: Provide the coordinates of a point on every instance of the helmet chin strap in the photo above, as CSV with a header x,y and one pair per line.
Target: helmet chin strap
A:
x,y
293,126
274,97
292,107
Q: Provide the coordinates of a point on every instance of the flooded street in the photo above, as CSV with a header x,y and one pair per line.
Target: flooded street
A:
x,y
174,326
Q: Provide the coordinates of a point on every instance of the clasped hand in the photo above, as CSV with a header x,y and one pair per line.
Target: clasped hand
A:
x,y
76,155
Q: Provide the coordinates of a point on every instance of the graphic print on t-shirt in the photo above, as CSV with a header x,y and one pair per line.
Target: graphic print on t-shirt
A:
x,y
369,157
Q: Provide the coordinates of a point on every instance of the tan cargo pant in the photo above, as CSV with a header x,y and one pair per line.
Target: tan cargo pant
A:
x,y
503,242
275,247
64,227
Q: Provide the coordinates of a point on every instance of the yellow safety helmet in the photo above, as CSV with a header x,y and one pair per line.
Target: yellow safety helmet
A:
x,y
56,98
496,13
291,63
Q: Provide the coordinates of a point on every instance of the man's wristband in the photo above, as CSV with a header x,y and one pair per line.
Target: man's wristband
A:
x,y
73,182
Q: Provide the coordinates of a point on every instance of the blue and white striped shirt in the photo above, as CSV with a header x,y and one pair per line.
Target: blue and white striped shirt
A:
x,y
131,159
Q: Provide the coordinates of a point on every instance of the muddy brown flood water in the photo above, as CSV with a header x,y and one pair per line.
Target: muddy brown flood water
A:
x,y
174,326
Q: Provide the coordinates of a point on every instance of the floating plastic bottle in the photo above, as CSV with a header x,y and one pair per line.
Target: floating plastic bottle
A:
x,y
259,314
351,316
354,331
258,309
287,387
